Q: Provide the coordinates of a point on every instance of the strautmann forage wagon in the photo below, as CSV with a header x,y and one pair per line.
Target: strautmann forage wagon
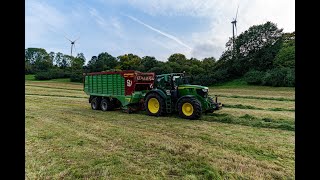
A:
x,y
157,94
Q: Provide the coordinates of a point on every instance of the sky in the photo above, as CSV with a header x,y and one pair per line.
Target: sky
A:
x,y
159,28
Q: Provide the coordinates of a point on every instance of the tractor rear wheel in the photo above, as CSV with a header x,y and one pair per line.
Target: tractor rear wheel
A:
x,y
155,105
95,103
106,105
189,108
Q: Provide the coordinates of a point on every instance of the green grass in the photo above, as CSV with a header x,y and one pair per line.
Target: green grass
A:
x,y
60,80
234,83
66,139
29,77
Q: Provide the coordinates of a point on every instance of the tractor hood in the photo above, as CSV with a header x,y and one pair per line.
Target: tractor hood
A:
x,y
187,86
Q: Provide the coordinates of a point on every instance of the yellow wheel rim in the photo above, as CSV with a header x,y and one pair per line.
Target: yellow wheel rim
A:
x,y
187,109
153,105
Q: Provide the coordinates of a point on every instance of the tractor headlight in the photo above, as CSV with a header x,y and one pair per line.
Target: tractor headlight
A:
x,y
205,90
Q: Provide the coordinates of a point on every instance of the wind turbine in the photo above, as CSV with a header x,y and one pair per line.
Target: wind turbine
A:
x,y
73,45
234,24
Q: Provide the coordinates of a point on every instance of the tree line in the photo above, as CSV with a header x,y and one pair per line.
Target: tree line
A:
x,y
261,55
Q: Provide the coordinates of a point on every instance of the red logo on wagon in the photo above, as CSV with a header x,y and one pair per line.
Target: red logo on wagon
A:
x,y
145,78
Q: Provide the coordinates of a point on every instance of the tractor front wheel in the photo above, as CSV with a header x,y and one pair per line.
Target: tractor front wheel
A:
x,y
189,108
155,105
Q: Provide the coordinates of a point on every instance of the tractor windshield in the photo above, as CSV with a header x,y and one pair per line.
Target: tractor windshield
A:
x,y
178,80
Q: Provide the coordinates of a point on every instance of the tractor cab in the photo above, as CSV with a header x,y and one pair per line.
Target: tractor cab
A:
x,y
170,81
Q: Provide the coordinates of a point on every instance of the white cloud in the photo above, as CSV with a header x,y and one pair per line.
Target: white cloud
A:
x,y
111,25
43,18
160,32
221,13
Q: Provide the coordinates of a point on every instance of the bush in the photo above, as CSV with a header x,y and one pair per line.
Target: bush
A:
x,y
76,77
254,77
43,76
279,77
51,74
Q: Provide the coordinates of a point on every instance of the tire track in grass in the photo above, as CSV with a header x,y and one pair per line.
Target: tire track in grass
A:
x,y
30,94
54,87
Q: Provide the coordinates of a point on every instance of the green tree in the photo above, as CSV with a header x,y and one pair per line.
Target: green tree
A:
x,y
37,59
162,68
51,56
129,61
149,62
255,48
92,64
66,61
28,67
78,62
177,58
106,62
35,54
175,66
208,64
58,59
286,55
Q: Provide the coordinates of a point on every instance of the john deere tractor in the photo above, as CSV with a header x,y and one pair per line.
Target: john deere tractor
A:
x,y
172,93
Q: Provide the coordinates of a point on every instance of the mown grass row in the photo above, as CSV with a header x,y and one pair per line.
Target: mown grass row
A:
x,y
249,120
240,106
256,97
246,120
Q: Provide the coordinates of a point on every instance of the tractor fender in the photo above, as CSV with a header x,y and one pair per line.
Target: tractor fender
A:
x,y
186,96
158,91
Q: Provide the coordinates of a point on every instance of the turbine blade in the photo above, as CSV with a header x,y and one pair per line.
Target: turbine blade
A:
x,y
68,38
237,12
76,39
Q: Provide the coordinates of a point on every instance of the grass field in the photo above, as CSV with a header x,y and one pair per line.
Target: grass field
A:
x,y
252,137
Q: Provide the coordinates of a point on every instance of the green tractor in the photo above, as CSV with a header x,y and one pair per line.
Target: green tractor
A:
x,y
172,93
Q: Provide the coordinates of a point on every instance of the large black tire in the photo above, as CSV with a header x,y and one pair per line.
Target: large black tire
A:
x,y
161,105
95,103
106,104
195,111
